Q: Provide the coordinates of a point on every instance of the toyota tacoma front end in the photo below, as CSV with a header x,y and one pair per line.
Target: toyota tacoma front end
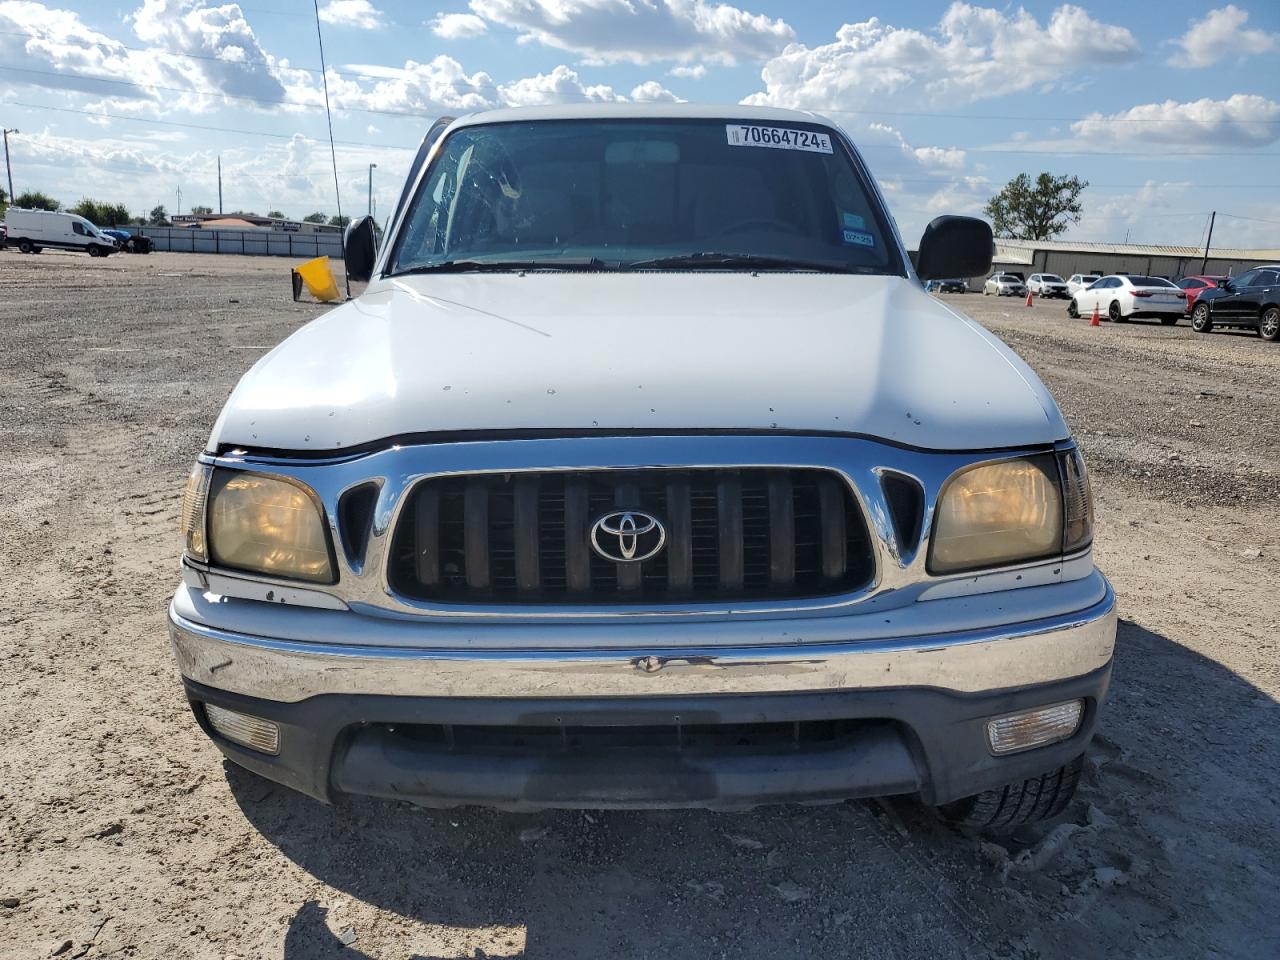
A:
x,y
645,474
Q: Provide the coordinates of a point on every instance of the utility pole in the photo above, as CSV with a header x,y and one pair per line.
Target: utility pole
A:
x,y
7,165
1204,264
179,210
372,167
219,184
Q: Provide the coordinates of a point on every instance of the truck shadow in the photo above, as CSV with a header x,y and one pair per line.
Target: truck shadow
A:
x,y
1178,795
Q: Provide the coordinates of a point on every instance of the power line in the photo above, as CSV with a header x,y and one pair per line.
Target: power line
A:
x,y
202,126
1254,219
210,92
1013,118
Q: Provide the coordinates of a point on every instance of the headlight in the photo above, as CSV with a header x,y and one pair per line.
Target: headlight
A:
x,y
267,525
998,513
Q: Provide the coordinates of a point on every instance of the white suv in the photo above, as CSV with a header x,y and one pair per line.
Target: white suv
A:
x,y
644,473
1047,285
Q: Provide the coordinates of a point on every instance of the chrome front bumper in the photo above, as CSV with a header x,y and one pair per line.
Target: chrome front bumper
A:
x,y
345,653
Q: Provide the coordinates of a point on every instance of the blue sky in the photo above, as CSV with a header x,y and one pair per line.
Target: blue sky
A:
x,y
1169,109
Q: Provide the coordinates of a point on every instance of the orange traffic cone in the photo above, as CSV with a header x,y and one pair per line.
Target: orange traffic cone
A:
x,y
1095,321
1029,298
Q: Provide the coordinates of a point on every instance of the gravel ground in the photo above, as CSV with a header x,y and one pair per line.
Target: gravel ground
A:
x,y
123,833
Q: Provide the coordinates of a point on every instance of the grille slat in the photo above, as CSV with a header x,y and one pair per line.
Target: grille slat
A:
x,y
577,531
782,531
525,538
729,508
525,528
476,533
427,537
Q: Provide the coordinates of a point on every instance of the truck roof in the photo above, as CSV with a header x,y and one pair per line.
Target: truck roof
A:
x,y
648,111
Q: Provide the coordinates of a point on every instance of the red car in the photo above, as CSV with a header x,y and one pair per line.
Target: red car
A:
x,y
1194,286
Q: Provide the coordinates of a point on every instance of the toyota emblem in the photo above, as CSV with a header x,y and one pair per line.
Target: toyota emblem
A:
x,y
628,536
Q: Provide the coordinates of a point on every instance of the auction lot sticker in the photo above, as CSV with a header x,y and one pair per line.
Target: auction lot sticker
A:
x,y
777,138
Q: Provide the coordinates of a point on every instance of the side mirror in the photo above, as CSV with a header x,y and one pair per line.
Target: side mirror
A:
x,y
955,247
360,247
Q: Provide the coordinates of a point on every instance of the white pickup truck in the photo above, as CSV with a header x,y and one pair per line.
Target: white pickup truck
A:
x,y
644,473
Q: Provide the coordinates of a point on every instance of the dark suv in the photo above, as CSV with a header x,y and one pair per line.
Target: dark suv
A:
x,y
1249,300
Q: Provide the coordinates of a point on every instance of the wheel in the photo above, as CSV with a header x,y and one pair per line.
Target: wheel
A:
x,y
1006,808
1073,311
1114,313
25,246
130,246
986,292
1168,321
95,250
1269,325
1200,321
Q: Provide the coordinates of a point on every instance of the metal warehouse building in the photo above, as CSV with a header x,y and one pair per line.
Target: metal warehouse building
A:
x,y
1065,257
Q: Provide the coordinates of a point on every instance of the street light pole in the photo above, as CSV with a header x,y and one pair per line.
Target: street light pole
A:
x,y
371,169
7,165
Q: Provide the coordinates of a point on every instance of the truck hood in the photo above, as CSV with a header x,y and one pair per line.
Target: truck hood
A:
x,y
867,355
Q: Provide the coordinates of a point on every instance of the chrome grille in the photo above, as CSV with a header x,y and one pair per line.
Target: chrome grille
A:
x,y
524,538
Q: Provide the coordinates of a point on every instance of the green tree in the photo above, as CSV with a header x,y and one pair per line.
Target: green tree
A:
x,y
276,215
315,218
202,210
102,214
159,217
35,200
337,221
1036,210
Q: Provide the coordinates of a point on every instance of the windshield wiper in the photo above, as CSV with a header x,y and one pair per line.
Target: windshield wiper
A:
x,y
508,266
746,260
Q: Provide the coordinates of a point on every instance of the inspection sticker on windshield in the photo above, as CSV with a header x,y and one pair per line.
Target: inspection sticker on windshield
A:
x,y
777,138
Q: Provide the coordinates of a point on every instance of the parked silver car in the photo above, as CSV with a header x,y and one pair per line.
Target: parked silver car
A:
x,y
1004,285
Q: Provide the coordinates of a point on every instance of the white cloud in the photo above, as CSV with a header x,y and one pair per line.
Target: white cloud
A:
x,y
360,14
974,53
1221,33
227,55
458,26
561,85
932,158
1244,120
695,72
1131,215
651,91
222,55
439,86
642,31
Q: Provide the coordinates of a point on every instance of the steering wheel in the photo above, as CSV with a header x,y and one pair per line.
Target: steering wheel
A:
x,y
758,222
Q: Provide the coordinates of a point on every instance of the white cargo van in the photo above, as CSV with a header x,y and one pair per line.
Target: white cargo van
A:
x,y
32,230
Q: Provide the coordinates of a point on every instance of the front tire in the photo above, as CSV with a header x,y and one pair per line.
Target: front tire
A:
x,y
95,250
1007,808
1200,321
1114,313
1073,311
1269,324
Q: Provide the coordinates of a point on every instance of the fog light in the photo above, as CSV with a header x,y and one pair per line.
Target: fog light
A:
x,y
1034,728
252,732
